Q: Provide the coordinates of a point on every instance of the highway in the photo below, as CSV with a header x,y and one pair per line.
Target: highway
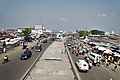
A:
x,y
16,68
95,73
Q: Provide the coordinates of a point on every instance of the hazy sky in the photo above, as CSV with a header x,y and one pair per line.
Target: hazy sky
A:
x,y
61,14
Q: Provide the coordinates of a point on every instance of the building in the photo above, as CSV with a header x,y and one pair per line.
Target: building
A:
x,y
38,29
60,34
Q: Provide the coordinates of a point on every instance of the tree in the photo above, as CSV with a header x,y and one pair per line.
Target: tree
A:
x,y
97,32
83,33
26,33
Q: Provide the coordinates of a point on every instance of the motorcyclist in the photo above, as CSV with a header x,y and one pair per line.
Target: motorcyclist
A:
x,y
27,49
6,58
32,47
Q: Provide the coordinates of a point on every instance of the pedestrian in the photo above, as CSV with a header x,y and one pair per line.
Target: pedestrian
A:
x,y
90,65
98,61
4,50
110,79
70,48
73,50
118,62
109,60
87,59
80,52
115,67
76,54
4,46
107,64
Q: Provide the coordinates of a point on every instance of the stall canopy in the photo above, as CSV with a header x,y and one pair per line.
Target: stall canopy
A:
x,y
117,55
102,48
96,47
107,51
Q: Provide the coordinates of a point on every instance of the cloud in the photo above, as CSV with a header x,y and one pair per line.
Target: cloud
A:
x,y
63,19
112,14
102,15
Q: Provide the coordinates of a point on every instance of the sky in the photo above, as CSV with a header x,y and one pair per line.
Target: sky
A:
x,y
66,15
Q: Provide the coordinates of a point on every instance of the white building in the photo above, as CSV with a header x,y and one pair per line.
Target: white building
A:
x,y
113,32
107,34
39,29
59,35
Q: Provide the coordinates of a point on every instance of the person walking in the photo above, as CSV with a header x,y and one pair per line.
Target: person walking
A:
x,y
115,67
90,65
98,61
107,63
4,46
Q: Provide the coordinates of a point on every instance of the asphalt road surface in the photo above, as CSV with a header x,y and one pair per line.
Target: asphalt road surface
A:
x,y
95,73
16,68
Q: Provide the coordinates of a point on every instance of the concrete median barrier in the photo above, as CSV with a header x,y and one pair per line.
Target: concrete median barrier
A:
x,y
74,69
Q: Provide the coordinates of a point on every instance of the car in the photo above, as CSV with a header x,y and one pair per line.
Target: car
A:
x,y
38,48
44,40
82,65
26,55
68,44
52,39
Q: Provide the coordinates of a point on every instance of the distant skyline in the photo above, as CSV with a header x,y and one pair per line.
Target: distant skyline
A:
x,y
66,15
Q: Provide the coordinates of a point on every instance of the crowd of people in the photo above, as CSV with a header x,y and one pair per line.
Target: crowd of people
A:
x,y
78,47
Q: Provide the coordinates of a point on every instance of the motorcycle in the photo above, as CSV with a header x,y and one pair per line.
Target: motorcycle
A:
x,y
32,47
6,59
24,47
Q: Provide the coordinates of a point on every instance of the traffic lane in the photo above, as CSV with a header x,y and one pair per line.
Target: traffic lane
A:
x,y
95,73
11,66
16,68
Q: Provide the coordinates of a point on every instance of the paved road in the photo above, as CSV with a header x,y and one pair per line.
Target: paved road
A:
x,y
96,73
15,68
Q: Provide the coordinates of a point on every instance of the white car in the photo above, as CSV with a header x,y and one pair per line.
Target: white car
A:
x,y
82,65
69,44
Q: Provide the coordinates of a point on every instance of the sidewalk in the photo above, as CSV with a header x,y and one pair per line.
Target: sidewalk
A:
x,y
53,65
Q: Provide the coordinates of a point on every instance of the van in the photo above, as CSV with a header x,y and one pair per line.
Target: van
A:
x,y
95,58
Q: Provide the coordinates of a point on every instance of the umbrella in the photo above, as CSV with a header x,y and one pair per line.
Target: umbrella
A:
x,y
108,51
101,48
